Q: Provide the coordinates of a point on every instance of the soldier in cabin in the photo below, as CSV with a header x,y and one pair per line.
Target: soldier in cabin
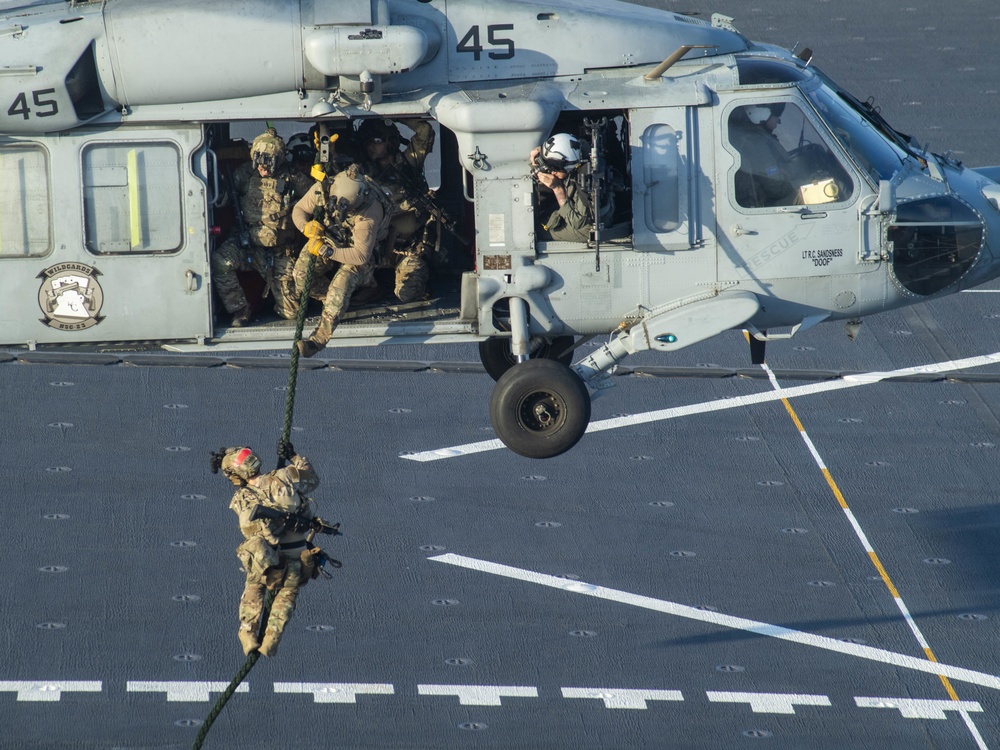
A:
x,y
344,219
401,173
264,191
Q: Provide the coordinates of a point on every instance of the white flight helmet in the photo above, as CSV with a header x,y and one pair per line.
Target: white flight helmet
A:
x,y
562,151
758,114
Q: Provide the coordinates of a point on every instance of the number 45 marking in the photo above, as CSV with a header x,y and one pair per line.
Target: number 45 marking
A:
x,y
470,42
44,107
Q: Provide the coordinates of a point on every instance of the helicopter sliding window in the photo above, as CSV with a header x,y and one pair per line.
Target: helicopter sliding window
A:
x,y
783,161
132,198
661,175
24,202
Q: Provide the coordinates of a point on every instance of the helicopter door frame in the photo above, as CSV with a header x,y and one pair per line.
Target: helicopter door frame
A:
x,y
126,257
792,240
668,169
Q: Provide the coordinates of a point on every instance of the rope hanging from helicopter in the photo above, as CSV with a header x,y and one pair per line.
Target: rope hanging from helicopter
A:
x,y
293,372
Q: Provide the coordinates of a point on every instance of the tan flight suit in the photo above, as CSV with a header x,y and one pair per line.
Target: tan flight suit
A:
x,y
274,243
271,556
364,227
403,175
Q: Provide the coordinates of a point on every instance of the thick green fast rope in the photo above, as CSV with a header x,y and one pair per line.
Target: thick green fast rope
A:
x,y
293,370
285,435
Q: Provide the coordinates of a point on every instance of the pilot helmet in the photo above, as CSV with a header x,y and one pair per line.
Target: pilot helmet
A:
x,y
349,186
268,150
758,114
562,151
378,129
242,463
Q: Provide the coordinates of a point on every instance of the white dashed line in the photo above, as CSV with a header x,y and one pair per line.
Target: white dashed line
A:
x,y
42,690
769,703
479,695
183,692
912,708
618,698
334,692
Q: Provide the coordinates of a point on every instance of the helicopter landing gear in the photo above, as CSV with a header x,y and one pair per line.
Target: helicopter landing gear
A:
x,y
540,408
496,355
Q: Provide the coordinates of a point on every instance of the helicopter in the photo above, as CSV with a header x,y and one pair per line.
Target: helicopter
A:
x,y
749,190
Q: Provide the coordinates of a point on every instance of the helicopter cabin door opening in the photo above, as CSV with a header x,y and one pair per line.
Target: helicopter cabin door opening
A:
x,y
103,236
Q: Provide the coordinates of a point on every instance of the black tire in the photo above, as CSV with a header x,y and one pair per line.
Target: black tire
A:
x,y
496,356
540,408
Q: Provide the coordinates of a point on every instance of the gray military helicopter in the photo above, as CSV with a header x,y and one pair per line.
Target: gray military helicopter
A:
x,y
749,190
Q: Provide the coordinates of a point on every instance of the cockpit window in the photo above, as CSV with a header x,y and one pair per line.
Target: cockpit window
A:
x,y
758,71
874,153
783,159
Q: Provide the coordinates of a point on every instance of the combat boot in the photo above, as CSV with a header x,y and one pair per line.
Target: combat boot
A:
x,y
248,640
241,317
309,348
269,647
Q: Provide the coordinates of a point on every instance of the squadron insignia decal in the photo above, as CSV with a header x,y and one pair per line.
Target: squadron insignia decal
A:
x,y
70,296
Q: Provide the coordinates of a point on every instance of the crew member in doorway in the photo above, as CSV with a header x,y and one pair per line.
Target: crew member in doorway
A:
x,y
564,206
344,219
273,556
401,173
265,190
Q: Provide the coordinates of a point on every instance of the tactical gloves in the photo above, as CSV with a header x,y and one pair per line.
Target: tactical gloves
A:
x,y
313,230
285,450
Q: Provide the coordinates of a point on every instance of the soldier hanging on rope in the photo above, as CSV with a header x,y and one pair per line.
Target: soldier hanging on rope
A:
x,y
278,523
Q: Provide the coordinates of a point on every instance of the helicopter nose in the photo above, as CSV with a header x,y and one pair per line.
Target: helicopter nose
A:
x,y
937,242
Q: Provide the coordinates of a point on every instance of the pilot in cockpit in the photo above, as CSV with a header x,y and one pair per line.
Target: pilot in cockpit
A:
x,y
766,175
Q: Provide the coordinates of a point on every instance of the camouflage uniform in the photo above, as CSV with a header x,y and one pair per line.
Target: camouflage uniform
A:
x,y
363,228
273,557
266,204
404,174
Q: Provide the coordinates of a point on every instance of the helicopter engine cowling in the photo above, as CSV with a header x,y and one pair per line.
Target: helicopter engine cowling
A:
x,y
105,57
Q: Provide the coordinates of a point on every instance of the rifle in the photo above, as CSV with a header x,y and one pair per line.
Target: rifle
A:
x,y
425,200
241,226
597,128
294,521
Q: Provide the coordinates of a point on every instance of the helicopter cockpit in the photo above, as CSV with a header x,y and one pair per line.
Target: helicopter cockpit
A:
x,y
796,152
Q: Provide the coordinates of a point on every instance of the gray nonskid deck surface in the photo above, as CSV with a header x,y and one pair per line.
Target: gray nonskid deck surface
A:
x,y
630,593
493,601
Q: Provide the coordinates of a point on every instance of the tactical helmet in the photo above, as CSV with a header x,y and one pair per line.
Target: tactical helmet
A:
x,y
241,462
562,151
379,129
268,150
349,186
